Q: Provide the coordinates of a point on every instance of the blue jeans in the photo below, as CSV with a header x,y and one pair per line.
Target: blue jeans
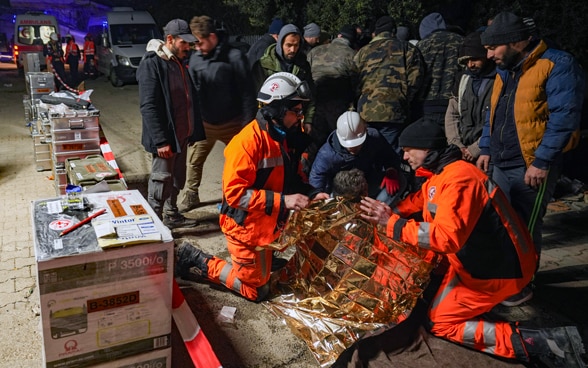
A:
x,y
529,203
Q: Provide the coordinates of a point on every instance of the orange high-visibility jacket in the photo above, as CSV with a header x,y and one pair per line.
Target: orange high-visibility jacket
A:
x,y
89,48
467,218
71,49
253,182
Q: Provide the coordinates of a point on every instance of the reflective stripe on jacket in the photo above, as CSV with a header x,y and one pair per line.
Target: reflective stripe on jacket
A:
x,y
467,217
253,182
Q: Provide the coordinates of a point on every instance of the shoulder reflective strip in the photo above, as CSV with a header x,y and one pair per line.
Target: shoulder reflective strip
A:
x,y
244,201
442,293
270,162
432,208
424,235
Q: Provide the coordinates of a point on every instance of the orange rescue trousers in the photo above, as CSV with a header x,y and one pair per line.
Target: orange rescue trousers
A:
x,y
248,273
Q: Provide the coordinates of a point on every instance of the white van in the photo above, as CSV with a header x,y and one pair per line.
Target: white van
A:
x,y
31,33
121,38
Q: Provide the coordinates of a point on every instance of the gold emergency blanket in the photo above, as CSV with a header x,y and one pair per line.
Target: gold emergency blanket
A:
x,y
345,281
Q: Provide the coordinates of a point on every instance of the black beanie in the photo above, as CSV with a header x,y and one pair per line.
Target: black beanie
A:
x,y
506,27
348,32
385,24
423,134
471,48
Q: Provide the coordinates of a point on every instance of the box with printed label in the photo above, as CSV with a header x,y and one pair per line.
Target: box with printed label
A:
x,y
153,359
99,306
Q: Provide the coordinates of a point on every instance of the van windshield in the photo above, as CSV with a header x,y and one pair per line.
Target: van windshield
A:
x,y
133,34
34,34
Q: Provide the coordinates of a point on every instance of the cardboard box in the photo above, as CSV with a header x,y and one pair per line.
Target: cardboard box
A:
x,y
154,359
99,306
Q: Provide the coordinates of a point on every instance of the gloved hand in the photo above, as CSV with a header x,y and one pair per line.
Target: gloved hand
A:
x,y
391,182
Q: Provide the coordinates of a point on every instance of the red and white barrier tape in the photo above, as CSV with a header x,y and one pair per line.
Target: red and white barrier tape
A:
x,y
62,81
109,156
196,342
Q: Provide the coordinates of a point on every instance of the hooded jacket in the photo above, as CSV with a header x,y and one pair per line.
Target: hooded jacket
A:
x,y
155,100
273,62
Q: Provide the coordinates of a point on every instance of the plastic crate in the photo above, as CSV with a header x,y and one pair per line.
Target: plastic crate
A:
x,y
59,158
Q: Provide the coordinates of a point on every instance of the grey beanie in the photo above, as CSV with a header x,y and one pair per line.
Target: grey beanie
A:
x,y
506,27
312,30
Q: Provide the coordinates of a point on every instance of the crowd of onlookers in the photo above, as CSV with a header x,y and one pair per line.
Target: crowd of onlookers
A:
x,y
460,139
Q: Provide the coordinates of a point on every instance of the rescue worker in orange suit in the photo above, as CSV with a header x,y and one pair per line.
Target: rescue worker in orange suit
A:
x,y
261,185
488,251
89,51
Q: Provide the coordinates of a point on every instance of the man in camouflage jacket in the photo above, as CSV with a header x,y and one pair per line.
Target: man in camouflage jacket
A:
x,y
335,79
390,76
440,49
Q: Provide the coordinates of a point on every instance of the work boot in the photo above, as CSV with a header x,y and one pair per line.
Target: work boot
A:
x,y
178,221
554,347
191,262
523,296
190,202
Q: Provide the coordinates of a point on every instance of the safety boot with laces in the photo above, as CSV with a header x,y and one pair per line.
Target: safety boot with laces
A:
x,y
178,221
554,347
191,262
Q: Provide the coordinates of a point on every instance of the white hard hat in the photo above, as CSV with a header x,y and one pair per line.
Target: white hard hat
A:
x,y
283,86
351,130
53,36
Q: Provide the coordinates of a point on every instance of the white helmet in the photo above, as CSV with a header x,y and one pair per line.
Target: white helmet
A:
x,y
351,130
283,86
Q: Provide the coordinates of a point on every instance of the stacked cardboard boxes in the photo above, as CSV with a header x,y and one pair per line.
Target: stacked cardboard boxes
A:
x,y
102,307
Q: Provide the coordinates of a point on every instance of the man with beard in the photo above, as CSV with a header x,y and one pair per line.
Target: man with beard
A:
x,y
285,56
534,118
221,75
488,253
467,108
171,119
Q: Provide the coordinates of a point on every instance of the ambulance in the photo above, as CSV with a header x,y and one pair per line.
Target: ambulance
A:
x,y
31,32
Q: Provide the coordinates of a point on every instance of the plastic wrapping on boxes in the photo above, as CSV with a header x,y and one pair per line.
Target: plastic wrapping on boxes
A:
x,y
106,308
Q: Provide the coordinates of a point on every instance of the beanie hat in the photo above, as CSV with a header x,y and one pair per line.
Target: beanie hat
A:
x,y
471,48
385,24
348,32
275,27
423,134
402,33
505,28
312,30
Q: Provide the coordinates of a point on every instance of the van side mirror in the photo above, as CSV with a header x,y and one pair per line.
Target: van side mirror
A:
x,y
105,42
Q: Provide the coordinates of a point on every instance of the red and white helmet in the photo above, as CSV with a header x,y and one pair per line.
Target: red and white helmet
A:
x,y
283,86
